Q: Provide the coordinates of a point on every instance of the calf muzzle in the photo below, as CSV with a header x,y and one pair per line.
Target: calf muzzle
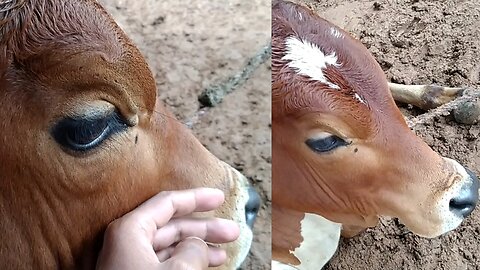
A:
x,y
464,203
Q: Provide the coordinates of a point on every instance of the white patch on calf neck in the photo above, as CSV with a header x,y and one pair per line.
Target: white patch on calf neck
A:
x,y
307,59
320,241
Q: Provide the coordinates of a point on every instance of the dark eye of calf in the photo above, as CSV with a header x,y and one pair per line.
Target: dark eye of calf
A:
x,y
326,144
83,134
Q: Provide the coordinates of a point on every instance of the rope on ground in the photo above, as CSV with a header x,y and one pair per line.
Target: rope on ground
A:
x,y
214,94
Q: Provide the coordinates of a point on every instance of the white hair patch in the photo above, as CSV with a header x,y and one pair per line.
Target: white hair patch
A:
x,y
300,17
307,59
320,241
359,98
334,32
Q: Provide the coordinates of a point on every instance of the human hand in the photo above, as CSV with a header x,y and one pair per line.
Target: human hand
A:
x,y
158,235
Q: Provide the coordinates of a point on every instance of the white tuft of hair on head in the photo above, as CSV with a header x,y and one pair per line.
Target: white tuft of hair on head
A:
x,y
308,59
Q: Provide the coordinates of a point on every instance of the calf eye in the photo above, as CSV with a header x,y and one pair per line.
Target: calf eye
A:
x,y
325,144
83,134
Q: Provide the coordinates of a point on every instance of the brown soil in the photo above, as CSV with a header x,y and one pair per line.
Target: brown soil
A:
x,y
418,42
191,45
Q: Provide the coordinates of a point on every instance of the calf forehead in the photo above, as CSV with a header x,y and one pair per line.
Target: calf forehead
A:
x,y
29,28
68,46
317,65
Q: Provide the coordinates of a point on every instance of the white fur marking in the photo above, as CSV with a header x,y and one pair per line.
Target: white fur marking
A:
x,y
320,241
307,59
334,31
359,98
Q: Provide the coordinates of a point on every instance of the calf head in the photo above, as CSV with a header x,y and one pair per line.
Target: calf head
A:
x,y
85,140
341,147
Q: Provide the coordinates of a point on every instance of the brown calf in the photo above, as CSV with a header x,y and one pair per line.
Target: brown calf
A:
x,y
84,139
342,152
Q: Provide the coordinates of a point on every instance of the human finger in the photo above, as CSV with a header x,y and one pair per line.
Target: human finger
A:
x,y
216,256
213,230
157,211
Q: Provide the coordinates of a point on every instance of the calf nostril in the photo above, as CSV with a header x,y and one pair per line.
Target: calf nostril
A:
x,y
462,207
466,201
252,206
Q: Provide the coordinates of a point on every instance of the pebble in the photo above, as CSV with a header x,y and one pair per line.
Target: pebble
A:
x,y
468,112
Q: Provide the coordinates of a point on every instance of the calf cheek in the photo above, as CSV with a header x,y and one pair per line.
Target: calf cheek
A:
x,y
408,194
361,168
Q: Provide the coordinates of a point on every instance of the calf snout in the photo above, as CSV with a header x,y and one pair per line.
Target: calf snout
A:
x,y
252,206
467,198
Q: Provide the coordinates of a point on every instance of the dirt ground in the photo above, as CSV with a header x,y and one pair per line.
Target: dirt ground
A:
x,y
418,42
191,45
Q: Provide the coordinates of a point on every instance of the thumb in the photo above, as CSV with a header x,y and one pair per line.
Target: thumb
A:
x,y
189,254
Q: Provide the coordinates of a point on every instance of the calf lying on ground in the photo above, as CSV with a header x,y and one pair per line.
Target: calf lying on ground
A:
x,y
342,152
